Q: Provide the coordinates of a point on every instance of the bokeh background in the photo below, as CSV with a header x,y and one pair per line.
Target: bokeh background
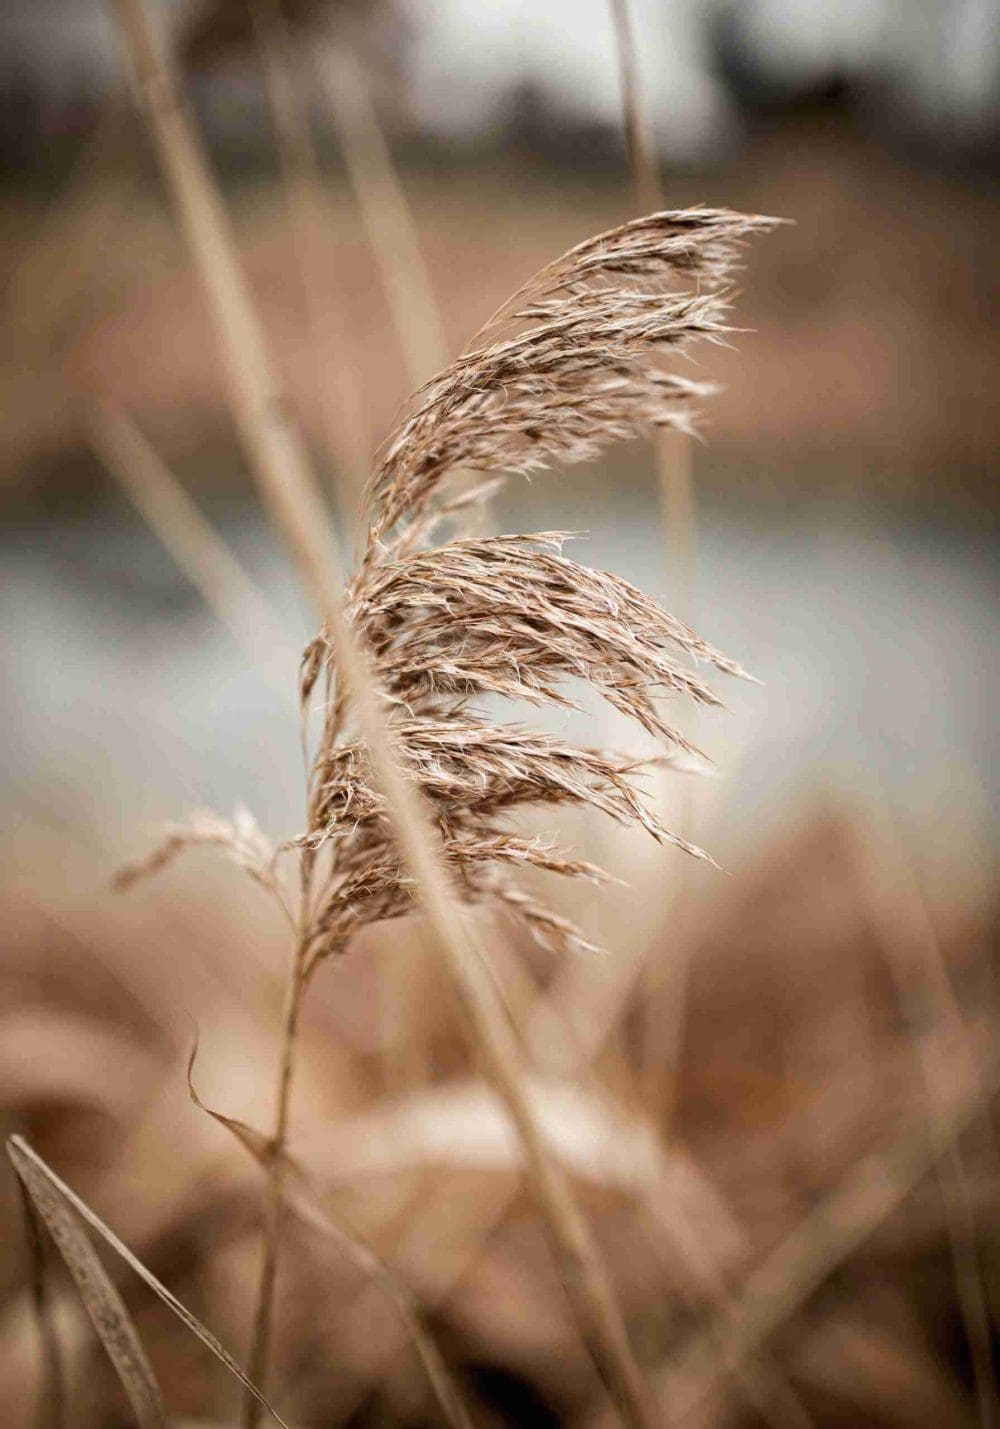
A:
x,y
757,1033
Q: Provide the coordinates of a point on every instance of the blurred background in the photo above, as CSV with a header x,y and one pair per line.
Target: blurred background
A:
x,y
754,1042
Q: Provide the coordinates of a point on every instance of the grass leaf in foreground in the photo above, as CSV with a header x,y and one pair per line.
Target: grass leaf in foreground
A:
x,y
51,1409
62,1211
305,1199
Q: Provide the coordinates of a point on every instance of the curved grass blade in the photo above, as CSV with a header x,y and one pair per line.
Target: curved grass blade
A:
x,y
51,1413
56,1207
304,1198
62,1210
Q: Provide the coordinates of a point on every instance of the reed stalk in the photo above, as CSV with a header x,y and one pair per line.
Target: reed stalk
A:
x,y
892,900
834,1229
387,216
339,398
665,992
287,486
372,173
190,539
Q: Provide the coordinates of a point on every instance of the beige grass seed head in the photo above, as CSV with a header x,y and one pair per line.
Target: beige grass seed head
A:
x,y
572,364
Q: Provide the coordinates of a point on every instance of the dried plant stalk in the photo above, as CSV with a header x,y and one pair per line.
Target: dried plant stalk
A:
x,y
665,992
338,389
193,543
833,1230
286,483
892,900
570,366
51,1403
288,488
386,213
638,141
306,1201
392,233
64,1214
101,1300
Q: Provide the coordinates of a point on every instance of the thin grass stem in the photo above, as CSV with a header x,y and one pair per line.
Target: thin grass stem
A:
x,y
274,1188
289,490
798,1265
387,216
198,550
339,397
665,997
894,902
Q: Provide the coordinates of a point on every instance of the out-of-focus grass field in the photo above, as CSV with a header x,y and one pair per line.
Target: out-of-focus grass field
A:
x,y
872,341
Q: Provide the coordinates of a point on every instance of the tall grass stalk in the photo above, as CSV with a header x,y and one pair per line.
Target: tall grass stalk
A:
x,y
894,903
842,1221
290,492
387,215
665,992
338,393
190,539
339,398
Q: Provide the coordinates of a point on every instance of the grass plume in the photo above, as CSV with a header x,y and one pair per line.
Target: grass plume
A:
x,y
581,326
570,366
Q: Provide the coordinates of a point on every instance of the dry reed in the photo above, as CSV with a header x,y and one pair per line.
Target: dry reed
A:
x,y
392,235
184,531
585,320
794,1268
904,929
338,391
663,1002
570,368
386,214
803,1259
413,803
49,1201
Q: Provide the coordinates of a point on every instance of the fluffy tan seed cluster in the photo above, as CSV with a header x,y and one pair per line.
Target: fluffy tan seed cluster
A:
x,y
568,366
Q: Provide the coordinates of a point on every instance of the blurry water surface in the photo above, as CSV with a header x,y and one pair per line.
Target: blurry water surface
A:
x,y
875,640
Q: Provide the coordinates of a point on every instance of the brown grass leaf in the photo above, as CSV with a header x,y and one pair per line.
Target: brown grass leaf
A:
x,y
306,1201
62,1210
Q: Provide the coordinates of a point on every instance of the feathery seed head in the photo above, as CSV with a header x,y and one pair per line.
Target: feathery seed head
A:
x,y
568,366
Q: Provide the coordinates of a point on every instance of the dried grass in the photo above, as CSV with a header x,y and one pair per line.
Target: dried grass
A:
x,y
665,992
571,367
193,543
575,373
64,1215
567,366
338,395
432,1182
